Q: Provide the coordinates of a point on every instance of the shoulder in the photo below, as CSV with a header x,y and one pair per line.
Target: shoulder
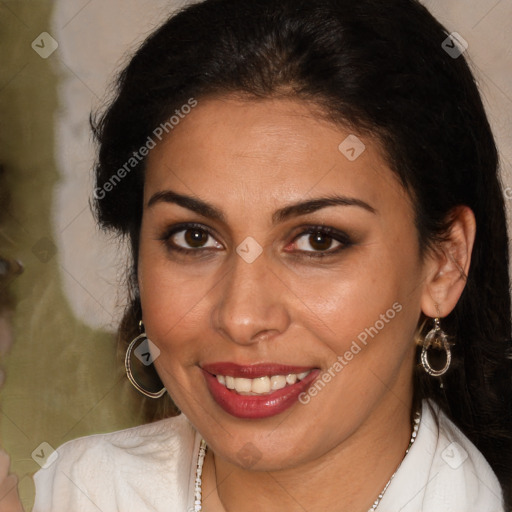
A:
x,y
141,465
134,446
458,462
443,472
137,442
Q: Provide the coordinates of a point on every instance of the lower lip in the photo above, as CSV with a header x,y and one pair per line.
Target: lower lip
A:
x,y
257,406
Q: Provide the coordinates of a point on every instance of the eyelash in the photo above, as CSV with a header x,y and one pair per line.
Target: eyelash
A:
x,y
332,233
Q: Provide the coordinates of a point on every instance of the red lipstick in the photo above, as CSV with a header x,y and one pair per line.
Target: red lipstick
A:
x,y
256,406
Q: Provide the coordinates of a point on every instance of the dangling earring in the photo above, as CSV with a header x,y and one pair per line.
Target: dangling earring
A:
x,y
438,339
145,357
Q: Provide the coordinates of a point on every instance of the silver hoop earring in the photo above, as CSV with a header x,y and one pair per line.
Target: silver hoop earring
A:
x,y
143,348
436,338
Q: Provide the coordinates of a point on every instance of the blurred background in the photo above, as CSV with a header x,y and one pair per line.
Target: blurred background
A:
x,y
61,280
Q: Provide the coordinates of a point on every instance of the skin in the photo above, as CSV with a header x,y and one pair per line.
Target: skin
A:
x,y
9,498
249,158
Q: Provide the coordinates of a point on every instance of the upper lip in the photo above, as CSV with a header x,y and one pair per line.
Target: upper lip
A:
x,y
253,371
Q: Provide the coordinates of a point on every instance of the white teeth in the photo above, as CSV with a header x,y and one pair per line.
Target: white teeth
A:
x,y
291,378
243,385
260,385
277,382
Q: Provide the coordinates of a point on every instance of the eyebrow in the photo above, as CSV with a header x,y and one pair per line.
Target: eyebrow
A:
x,y
293,210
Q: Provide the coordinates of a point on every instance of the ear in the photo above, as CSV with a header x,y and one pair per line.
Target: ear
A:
x,y
448,265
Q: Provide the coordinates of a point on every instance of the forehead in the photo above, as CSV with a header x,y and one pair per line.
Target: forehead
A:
x,y
275,149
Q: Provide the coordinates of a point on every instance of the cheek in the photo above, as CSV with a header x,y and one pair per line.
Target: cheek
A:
x,y
170,300
363,294
367,327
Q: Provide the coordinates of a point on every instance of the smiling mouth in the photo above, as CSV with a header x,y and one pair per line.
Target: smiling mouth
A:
x,y
256,379
257,391
260,385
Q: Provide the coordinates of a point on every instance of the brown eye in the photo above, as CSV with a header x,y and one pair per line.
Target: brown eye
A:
x,y
320,241
317,240
189,238
195,237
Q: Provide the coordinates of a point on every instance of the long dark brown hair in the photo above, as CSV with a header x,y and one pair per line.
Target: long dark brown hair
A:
x,y
376,67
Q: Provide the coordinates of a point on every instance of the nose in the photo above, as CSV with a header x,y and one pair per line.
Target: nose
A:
x,y
251,305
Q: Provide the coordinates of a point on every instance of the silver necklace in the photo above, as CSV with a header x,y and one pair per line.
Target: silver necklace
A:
x,y
202,453
416,426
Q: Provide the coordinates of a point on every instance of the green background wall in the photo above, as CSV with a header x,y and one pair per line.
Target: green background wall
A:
x,y
63,380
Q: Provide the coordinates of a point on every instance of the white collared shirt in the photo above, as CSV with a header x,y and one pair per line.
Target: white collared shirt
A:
x,y
152,468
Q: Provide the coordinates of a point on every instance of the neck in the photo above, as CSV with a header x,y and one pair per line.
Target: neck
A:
x,y
351,475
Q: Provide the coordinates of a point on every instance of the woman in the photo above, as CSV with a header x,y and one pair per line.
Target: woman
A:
x,y
320,268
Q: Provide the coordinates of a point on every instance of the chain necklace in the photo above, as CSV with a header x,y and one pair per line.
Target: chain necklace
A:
x,y
203,448
416,426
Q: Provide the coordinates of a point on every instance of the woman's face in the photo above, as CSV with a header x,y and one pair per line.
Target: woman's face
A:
x,y
248,189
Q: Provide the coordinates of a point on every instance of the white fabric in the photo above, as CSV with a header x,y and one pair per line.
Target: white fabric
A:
x,y
152,468
436,476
